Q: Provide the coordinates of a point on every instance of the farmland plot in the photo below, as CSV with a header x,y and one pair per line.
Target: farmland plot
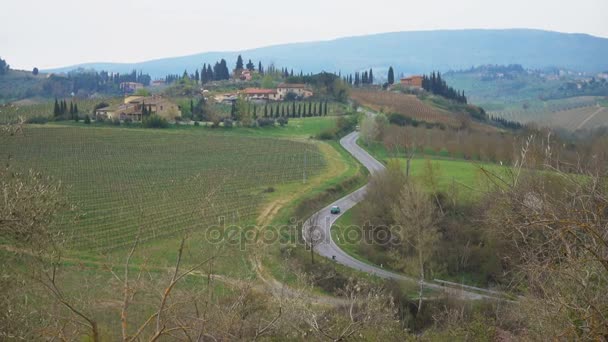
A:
x,y
159,182
579,118
408,105
539,111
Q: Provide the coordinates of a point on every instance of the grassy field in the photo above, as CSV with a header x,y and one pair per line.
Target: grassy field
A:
x,y
464,176
161,182
296,128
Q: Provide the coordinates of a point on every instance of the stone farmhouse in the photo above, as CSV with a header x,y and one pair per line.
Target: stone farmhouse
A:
x,y
132,109
260,95
299,91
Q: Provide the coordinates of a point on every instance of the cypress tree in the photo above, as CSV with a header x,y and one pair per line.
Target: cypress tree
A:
x,y
371,76
75,108
239,63
271,112
265,110
293,109
255,112
309,108
56,109
391,76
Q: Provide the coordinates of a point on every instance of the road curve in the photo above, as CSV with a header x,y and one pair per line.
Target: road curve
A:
x,y
319,226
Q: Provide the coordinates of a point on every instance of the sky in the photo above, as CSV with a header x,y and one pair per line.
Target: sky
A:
x,y
47,34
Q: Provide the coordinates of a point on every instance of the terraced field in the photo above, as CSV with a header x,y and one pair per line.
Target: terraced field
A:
x,y
161,182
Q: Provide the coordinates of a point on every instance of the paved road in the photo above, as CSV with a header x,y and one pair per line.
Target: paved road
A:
x,y
319,225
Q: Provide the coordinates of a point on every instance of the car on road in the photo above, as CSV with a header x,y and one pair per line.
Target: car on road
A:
x,y
335,209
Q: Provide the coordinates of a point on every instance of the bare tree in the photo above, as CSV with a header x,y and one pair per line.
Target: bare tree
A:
x,y
416,225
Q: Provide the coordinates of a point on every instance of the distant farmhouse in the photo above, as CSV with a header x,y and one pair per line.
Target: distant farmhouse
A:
x,y
281,93
226,98
158,83
299,90
259,95
130,87
412,81
133,106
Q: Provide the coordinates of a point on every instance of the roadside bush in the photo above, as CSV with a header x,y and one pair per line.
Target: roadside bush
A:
x,y
228,123
37,120
266,122
87,119
282,121
327,134
344,125
155,121
116,122
196,123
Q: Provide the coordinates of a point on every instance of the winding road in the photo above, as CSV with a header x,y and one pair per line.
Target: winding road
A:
x,y
319,226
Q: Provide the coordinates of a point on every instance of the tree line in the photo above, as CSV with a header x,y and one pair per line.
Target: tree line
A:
x,y
438,86
506,123
360,78
220,71
90,81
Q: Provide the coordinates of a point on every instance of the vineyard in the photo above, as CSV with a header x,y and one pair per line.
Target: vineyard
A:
x,y
11,112
126,180
539,111
408,105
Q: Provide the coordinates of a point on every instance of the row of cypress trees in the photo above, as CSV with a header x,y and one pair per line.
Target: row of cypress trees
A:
x,y
60,108
292,110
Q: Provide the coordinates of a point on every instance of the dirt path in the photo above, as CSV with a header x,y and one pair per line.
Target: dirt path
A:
x,y
335,167
590,117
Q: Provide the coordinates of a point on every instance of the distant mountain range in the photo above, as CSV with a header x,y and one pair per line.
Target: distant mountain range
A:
x,y
408,52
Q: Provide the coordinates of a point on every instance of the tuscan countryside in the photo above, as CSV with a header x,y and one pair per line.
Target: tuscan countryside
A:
x,y
317,171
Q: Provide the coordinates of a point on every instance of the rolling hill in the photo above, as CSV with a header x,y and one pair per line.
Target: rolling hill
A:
x,y
408,52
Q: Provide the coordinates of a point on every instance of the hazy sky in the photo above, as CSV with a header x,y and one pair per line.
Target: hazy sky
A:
x,y
52,33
